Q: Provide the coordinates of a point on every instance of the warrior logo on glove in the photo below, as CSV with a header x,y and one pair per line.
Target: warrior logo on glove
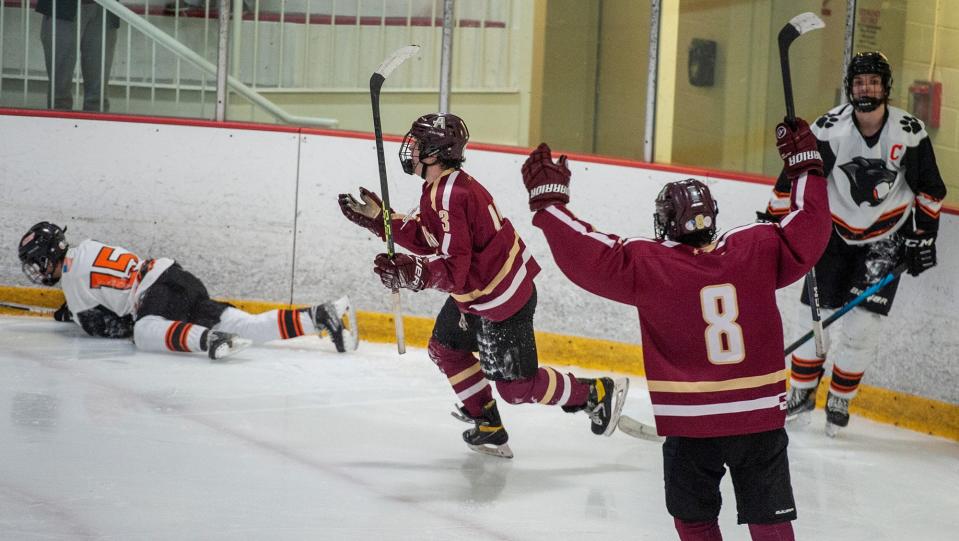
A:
x,y
547,181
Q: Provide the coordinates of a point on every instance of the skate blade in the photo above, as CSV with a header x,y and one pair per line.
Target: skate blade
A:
x,y
500,451
636,429
239,344
800,419
620,388
351,332
832,430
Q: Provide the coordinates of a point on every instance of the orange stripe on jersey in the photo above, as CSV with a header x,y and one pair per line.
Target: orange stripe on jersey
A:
x,y
898,211
927,211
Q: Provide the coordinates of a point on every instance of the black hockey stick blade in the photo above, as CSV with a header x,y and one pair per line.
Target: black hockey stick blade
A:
x,y
636,429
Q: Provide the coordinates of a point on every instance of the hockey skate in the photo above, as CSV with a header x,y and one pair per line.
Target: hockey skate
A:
x,y
488,436
799,404
223,344
837,414
604,404
329,317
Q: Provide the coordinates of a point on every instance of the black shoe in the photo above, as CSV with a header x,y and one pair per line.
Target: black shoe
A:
x,y
800,401
488,436
837,413
605,403
325,318
221,344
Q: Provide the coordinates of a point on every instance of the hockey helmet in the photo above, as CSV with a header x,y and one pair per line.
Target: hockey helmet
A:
x,y
443,135
869,62
685,212
41,250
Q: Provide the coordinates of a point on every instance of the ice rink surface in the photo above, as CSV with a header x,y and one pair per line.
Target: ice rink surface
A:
x,y
293,441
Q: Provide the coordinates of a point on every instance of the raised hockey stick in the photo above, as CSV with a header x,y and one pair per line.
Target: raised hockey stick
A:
x,y
797,26
871,290
396,58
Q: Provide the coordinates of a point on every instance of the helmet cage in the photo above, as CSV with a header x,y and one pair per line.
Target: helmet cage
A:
x,y
868,63
41,250
685,212
443,135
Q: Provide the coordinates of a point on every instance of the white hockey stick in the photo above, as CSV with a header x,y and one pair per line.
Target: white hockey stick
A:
x,y
376,84
636,429
27,308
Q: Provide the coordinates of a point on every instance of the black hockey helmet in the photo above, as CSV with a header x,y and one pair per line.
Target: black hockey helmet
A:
x,y
443,135
686,212
869,62
41,251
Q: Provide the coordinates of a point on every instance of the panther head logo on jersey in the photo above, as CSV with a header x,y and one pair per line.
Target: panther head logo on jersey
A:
x,y
869,180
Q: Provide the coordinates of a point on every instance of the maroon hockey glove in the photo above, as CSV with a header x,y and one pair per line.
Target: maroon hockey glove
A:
x,y
797,148
402,270
919,252
547,181
368,214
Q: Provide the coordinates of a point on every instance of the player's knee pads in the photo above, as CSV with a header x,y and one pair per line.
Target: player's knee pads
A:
x,y
861,334
516,391
448,360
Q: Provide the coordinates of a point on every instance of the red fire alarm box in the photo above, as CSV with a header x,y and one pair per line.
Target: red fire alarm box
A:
x,y
925,101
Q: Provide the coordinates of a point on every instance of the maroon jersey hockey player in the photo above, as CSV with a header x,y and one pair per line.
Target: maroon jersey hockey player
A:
x,y
465,247
711,330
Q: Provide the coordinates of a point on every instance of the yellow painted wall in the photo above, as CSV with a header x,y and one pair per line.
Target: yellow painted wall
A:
x,y
623,65
923,26
569,74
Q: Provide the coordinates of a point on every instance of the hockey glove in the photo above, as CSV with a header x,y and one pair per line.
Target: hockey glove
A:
x,y
547,181
798,149
920,252
767,217
63,314
402,270
368,214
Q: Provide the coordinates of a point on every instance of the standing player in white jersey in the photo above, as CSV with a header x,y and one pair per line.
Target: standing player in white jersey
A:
x,y
885,194
111,292
711,330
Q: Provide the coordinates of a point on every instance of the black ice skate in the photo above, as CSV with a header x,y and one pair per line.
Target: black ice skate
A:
x,y
221,344
799,403
837,414
604,404
324,319
488,436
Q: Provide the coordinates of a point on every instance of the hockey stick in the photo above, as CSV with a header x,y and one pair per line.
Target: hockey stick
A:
x,y
376,84
797,26
636,429
27,308
871,290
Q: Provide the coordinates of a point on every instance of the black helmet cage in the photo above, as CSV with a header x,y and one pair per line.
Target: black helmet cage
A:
x,y
443,135
41,250
870,62
685,212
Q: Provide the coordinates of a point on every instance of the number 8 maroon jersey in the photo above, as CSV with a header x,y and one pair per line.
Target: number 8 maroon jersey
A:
x,y
711,330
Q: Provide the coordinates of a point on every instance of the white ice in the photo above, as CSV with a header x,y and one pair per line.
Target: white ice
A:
x,y
293,441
